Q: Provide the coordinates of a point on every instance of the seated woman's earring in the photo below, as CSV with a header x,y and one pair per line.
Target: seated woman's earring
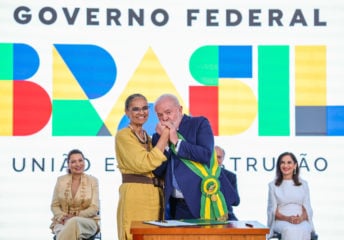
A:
x,y
294,171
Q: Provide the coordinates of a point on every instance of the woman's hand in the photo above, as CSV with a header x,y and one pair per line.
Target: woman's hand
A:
x,y
173,131
65,218
164,133
299,218
295,219
160,128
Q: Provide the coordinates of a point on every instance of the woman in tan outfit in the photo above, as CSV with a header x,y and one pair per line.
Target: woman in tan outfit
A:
x,y
75,202
139,193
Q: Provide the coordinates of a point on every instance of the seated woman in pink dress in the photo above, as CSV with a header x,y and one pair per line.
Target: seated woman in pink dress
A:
x,y
289,207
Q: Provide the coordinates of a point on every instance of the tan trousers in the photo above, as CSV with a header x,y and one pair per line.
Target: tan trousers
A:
x,y
76,228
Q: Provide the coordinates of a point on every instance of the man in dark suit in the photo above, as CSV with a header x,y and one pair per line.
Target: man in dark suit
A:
x,y
220,153
191,141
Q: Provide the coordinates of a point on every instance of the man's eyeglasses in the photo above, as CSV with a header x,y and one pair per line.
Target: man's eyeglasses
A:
x,y
137,109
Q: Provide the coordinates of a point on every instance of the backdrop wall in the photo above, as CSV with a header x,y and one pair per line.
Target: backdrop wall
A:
x,y
267,74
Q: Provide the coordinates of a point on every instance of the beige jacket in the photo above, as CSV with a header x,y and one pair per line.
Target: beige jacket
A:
x,y
84,204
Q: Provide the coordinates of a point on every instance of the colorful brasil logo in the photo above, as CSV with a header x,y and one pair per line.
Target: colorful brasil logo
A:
x,y
83,74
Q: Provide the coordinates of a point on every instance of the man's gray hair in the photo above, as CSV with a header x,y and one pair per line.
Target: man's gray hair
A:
x,y
168,96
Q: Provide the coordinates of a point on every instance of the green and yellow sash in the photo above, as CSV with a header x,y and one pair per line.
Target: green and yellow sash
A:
x,y
213,204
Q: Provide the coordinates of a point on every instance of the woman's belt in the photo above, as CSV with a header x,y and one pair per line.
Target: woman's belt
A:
x,y
136,178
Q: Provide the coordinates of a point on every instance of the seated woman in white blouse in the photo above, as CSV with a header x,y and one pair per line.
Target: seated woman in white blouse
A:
x,y
289,207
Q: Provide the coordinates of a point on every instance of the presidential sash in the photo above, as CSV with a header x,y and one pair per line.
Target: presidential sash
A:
x,y
213,204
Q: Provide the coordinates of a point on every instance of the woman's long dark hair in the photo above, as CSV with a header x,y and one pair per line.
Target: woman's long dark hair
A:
x,y
279,175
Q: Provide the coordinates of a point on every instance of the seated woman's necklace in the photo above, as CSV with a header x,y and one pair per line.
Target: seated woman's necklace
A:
x,y
142,139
